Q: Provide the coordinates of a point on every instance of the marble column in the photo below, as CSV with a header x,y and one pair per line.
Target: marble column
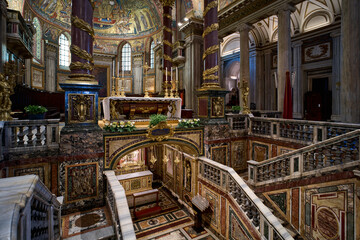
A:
x,y
244,29
350,71
298,92
211,45
257,80
269,82
138,73
3,13
336,75
284,51
51,51
193,65
167,42
82,36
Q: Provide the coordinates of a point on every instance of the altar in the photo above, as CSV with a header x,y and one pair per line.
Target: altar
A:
x,y
116,108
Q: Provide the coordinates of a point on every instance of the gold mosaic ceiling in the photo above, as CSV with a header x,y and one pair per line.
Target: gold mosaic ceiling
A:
x,y
112,18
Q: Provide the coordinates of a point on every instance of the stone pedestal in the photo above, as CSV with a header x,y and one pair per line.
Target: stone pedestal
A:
x,y
211,107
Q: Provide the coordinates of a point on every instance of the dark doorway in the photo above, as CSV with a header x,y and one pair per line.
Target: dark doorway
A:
x,y
318,101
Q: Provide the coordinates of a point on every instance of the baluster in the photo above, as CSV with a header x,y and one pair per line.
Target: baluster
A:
x,y
30,135
272,170
259,174
38,135
278,169
256,217
13,136
21,137
249,209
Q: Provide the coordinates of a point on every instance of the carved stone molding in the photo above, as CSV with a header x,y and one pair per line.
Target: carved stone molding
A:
x,y
51,47
244,27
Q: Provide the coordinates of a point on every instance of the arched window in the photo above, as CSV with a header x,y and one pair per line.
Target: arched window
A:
x,y
37,40
126,57
64,51
152,54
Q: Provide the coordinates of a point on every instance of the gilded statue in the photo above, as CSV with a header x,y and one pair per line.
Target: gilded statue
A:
x,y
218,104
113,112
245,92
5,102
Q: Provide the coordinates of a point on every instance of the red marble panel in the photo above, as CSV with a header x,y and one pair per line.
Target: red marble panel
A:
x,y
223,216
273,150
295,207
203,107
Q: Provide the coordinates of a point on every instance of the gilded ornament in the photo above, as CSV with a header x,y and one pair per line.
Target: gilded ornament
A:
x,y
80,65
167,15
211,5
218,104
160,132
211,28
167,57
211,77
82,104
81,24
168,3
210,50
245,92
167,29
211,70
166,42
81,53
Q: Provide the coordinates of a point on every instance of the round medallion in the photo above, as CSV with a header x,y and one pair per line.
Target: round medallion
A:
x,y
327,223
87,220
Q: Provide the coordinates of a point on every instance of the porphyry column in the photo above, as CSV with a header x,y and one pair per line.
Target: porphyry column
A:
x,y
82,36
211,45
167,42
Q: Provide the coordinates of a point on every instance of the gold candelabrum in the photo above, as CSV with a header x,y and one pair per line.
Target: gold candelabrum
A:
x,y
146,67
7,85
245,93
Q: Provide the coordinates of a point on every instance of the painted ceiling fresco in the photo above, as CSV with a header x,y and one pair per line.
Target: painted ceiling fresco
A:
x,y
112,18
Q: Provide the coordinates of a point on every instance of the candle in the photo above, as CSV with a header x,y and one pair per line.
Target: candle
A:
x,y
113,66
122,74
177,73
171,74
118,68
165,74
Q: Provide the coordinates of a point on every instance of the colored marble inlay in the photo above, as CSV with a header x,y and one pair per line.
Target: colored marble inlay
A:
x,y
81,181
260,152
236,228
295,207
280,200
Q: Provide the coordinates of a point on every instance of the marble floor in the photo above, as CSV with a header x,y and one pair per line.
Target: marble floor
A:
x,y
93,224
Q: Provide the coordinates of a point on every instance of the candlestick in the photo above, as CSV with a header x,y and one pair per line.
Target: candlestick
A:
x,y
118,68
117,86
165,83
122,74
113,92
146,67
113,67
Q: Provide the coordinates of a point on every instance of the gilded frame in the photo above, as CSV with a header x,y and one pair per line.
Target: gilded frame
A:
x,y
69,108
42,71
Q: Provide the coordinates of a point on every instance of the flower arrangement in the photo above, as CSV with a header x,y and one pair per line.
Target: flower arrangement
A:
x,y
235,109
189,123
122,126
156,119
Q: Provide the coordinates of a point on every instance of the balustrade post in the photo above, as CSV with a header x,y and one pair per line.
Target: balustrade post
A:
x,y
252,171
249,122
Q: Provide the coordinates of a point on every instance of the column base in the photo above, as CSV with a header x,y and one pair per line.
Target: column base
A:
x,y
336,118
297,115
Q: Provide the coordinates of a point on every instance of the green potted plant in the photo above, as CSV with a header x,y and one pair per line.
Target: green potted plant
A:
x,y
156,119
35,111
235,109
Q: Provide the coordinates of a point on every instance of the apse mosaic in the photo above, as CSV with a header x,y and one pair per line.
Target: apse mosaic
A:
x,y
112,18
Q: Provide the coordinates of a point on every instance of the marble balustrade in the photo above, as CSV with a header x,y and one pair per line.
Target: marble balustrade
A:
x,y
290,130
28,209
336,153
116,199
30,135
227,180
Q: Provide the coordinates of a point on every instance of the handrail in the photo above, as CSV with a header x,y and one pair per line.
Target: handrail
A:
x,y
28,209
119,207
341,150
246,199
